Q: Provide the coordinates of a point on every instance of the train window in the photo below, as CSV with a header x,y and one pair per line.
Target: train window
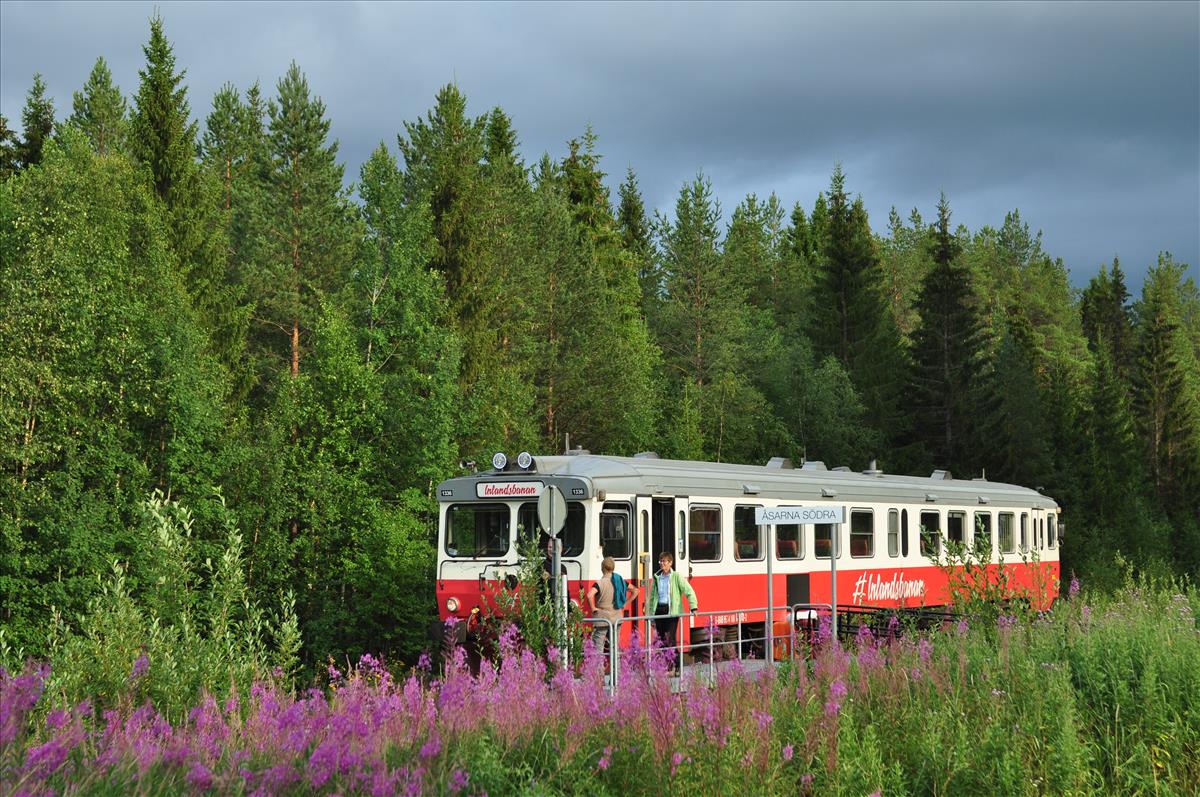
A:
x,y
931,534
1024,532
904,532
956,523
704,536
862,533
1051,531
614,531
823,540
983,535
789,542
1007,544
893,532
478,530
571,534
747,535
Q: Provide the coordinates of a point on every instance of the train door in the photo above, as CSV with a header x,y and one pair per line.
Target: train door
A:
x,y
642,568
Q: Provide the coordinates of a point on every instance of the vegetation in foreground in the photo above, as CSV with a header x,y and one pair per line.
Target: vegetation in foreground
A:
x,y
1095,697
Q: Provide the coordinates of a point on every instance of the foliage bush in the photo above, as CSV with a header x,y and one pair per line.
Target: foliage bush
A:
x,y
191,627
1087,699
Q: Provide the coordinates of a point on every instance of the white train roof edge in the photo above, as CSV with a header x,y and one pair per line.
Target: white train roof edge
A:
x,y
654,476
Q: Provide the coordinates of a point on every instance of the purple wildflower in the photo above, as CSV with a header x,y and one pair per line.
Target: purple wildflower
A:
x,y
806,779
431,747
1006,621
963,627
1073,590
924,648
140,667
459,780
1086,613
424,662
605,760
788,752
199,777
837,691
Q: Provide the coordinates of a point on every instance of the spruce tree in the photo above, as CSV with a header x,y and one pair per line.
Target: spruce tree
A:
x,y
850,317
161,133
946,355
634,227
9,150
100,111
1106,314
1166,390
37,119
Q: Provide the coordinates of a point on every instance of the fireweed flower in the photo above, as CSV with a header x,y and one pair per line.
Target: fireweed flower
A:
x,y
788,752
459,780
837,691
963,627
605,760
1073,590
140,667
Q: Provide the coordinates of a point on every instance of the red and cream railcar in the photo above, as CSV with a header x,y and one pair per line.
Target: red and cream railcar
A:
x,y
635,508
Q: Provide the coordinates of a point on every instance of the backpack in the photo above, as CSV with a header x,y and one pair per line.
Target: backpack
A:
x,y
619,591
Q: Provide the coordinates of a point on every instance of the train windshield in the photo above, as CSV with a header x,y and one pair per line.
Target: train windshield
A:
x,y
572,532
478,530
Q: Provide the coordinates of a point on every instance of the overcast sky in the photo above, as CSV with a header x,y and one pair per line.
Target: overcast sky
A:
x,y
1086,117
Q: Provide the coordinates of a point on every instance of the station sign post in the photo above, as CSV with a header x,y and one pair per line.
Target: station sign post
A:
x,y
809,514
552,515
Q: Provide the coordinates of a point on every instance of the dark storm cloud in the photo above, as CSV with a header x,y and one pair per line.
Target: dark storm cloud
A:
x,y
1086,117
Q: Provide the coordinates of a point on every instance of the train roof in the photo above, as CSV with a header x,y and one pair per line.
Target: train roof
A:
x,y
778,480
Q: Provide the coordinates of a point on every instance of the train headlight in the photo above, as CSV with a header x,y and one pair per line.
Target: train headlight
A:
x,y
524,460
452,605
499,460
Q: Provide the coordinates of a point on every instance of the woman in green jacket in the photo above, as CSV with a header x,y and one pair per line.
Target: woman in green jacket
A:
x,y
667,589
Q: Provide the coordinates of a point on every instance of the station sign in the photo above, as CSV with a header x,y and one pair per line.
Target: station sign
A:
x,y
789,515
509,489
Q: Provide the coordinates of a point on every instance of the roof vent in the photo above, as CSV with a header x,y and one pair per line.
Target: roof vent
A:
x,y
828,492
944,475
983,499
842,469
780,463
646,455
813,464
930,497
578,451
751,489
872,470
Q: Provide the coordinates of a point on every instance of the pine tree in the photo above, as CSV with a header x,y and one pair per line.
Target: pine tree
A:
x,y
946,354
308,214
599,387
100,111
442,157
37,118
704,328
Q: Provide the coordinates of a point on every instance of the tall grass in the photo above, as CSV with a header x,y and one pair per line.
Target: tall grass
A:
x,y
1098,696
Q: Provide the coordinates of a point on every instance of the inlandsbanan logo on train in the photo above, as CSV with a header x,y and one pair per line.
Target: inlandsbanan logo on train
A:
x,y
874,588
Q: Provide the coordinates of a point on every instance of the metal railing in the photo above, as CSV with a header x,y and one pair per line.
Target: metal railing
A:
x,y
804,622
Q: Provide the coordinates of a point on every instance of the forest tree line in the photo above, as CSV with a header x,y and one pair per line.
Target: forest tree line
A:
x,y
211,312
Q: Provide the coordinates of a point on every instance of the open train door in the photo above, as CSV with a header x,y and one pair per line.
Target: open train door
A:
x,y
639,562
